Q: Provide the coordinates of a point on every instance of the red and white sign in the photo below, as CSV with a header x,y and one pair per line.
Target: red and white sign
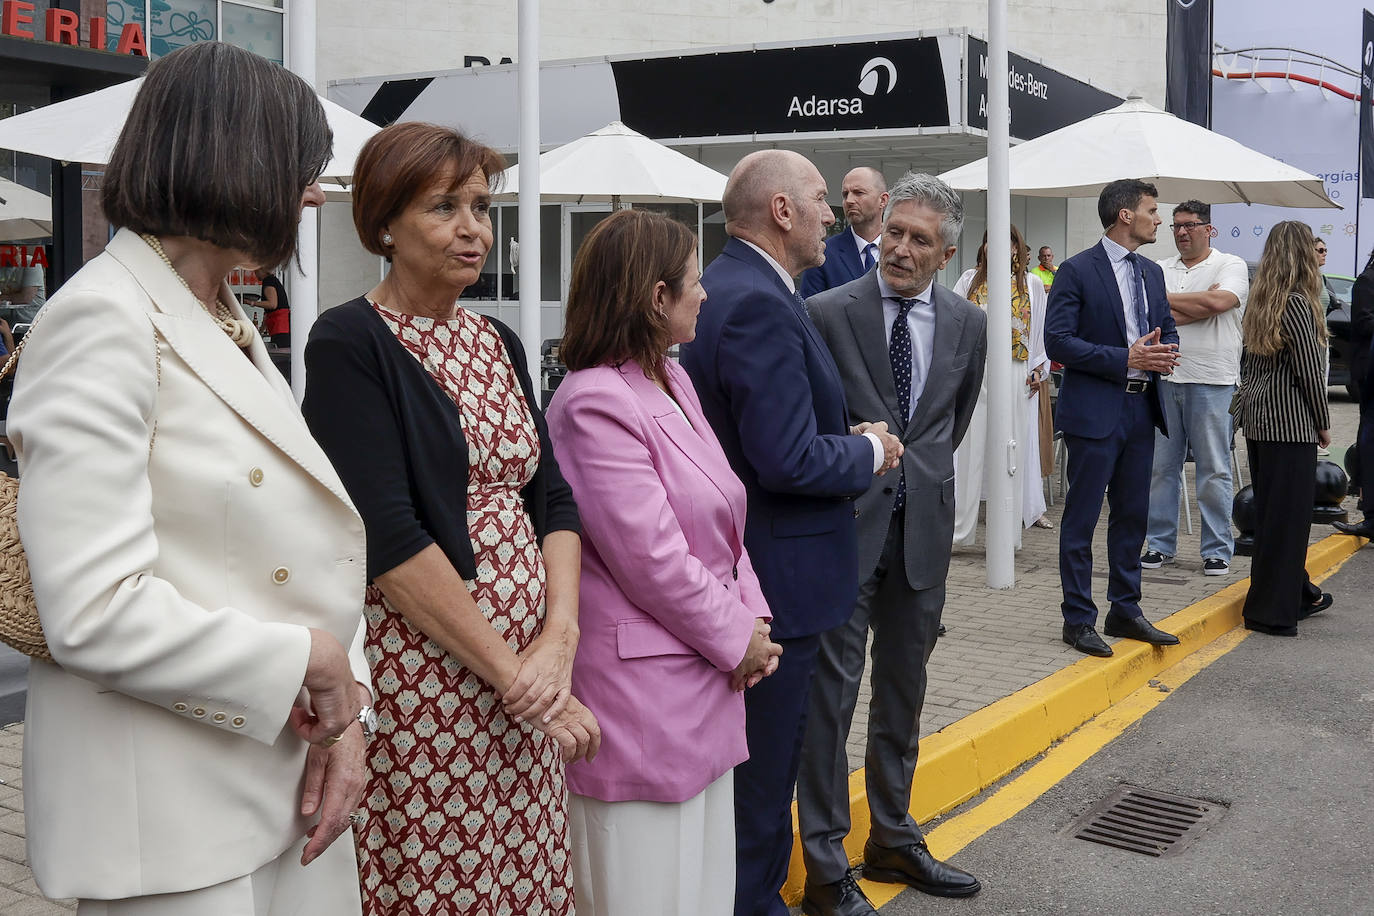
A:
x,y
63,27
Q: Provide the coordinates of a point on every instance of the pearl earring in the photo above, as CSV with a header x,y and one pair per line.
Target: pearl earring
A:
x,y
386,238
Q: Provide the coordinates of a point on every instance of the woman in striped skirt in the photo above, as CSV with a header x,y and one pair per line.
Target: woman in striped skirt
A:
x,y
1281,405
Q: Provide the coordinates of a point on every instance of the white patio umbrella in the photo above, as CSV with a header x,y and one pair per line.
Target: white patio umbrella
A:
x,y
1137,140
618,164
84,129
24,212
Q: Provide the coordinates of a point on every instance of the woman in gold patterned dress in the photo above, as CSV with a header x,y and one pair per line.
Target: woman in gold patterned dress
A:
x,y
430,417
1030,368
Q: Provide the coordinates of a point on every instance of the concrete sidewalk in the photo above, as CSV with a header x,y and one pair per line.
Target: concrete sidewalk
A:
x,y
999,642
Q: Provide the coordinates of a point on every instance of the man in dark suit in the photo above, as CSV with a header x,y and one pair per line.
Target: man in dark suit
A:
x,y
910,352
852,253
773,396
1361,338
1108,322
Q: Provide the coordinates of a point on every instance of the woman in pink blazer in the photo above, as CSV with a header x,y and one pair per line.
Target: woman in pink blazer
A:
x,y
673,625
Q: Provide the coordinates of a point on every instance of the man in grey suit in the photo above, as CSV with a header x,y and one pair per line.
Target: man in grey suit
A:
x,y
910,352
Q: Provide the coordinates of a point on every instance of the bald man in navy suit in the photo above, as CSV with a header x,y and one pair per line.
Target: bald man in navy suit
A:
x,y
852,253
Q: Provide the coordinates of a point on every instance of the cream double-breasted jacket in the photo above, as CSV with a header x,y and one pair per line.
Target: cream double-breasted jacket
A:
x,y
182,533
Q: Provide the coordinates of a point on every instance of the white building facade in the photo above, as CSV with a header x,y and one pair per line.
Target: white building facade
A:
x,y
1116,46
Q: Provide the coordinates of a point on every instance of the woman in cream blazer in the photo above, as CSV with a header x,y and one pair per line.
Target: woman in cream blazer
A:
x,y
197,565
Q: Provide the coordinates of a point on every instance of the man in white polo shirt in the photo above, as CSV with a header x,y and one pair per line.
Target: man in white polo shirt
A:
x,y
1207,291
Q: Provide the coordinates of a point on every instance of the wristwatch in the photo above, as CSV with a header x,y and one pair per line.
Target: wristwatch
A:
x,y
367,718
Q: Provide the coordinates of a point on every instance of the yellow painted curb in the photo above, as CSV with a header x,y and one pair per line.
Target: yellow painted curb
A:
x,y
962,759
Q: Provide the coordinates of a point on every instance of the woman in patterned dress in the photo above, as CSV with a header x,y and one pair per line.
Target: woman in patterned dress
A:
x,y
429,415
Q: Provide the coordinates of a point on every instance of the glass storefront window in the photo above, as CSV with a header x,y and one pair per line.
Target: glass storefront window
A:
x,y
178,23
172,24
254,29
120,12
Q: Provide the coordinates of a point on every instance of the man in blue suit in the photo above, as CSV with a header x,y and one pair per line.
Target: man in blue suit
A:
x,y
773,395
852,253
1108,322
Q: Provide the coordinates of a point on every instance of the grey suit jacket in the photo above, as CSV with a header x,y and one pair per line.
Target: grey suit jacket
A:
x,y
850,319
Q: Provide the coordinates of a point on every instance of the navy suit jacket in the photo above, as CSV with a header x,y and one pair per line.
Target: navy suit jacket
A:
x,y
771,392
841,265
1085,329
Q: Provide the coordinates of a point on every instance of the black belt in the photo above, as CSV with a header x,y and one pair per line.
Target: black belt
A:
x,y
1137,385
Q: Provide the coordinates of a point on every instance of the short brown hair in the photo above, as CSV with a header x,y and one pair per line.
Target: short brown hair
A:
x,y
219,145
610,316
395,164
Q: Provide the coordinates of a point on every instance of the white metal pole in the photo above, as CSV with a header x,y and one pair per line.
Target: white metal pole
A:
x,y
530,256
1001,442
305,287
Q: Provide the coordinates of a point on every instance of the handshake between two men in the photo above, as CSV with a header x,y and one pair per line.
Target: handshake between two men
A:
x,y
892,446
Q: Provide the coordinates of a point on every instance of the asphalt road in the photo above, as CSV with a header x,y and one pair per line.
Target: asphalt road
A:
x,y
1280,731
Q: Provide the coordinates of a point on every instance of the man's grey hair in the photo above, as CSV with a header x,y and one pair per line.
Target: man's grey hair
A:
x,y
935,194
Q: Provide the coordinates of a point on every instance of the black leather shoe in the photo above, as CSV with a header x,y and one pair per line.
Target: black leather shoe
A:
x,y
1269,629
1316,607
1365,529
1137,628
1085,639
839,898
914,865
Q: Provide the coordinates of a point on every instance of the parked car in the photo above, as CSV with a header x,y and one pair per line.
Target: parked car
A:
x,y
1338,333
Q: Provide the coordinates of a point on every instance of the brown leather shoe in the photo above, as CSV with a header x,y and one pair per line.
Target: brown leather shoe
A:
x,y
914,865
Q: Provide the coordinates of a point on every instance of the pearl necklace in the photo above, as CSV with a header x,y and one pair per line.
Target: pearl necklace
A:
x,y
240,332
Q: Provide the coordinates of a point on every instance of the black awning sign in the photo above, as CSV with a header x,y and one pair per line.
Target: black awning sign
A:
x,y
861,86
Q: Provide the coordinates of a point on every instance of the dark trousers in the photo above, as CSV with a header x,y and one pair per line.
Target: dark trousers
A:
x,y
774,720
1364,444
904,622
1285,479
1117,465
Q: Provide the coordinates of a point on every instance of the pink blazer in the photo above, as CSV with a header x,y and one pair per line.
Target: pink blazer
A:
x,y
668,597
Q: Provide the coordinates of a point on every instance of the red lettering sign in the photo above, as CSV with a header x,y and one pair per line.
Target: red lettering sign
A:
x,y
131,40
62,27
7,253
40,257
16,13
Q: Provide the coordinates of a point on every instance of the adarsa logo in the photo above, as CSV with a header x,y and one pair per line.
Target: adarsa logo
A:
x,y
871,78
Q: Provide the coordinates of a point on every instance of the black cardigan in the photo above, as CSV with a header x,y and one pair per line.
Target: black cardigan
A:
x,y
396,439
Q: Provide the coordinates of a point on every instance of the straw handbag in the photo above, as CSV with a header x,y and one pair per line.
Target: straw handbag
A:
x,y
20,627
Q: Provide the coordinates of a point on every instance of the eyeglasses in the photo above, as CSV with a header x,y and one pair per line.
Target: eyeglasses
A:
x,y
1186,227
1321,251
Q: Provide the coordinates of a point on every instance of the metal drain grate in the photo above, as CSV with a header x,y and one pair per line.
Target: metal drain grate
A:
x,y
1151,823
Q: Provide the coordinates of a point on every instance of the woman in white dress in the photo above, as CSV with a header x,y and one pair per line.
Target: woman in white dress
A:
x,y
1029,370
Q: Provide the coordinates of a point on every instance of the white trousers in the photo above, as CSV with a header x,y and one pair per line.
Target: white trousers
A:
x,y
970,470
634,858
327,886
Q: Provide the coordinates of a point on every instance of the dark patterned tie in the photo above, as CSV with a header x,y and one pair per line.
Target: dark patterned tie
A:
x,y
1142,319
869,259
899,354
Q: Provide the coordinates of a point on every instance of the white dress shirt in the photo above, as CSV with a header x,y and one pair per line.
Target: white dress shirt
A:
x,y
921,323
1125,282
862,244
